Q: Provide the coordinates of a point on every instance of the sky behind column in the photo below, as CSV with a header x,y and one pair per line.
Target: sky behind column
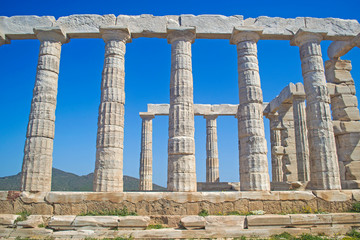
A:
x,y
147,80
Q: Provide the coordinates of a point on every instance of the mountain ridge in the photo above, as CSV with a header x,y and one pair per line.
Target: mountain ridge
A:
x,y
66,181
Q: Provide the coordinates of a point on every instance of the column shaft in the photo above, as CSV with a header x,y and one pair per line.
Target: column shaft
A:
x,y
146,154
181,148
37,163
277,151
302,144
254,175
108,175
323,159
212,156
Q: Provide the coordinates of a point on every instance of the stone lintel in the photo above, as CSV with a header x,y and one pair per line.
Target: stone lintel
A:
x,y
304,35
147,115
286,96
338,49
245,33
115,33
183,33
51,34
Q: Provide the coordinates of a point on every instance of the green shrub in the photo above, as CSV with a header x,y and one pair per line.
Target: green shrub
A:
x,y
155,226
203,213
356,207
354,234
233,213
284,235
23,216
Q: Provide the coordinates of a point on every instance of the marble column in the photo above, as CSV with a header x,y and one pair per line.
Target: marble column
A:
x,y
37,163
324,168
108,175
181,144
277,151
212,156
254,175
301,138
146,152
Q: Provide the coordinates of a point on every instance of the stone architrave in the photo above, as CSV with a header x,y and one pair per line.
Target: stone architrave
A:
x,y
301,138
181,148
212,156
345,113
277,151
37,163
145,171
108,175
324,168
254,175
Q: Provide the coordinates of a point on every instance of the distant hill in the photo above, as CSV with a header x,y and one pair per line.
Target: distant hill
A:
x,y
65,181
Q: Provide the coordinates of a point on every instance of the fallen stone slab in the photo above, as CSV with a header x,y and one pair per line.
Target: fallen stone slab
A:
x,y
64,222
32,221
221,222
8,219
193,222
270,220
133,222
96,221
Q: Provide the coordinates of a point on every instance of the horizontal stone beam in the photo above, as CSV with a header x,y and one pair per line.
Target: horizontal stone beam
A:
x,y
285,96
340,48
199,109
207,26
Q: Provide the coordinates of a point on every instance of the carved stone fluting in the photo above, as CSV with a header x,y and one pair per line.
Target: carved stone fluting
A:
x,y
181,148
301,138
108,175
345,113
324,167
212,156
37,162
277,151
146,152
289,161
254,175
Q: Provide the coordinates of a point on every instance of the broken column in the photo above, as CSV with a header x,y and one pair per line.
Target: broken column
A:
x,y
324,168
212,156
301,136
146,152
277,151
37,163
254,175
346,118
108,175
181,144
289,160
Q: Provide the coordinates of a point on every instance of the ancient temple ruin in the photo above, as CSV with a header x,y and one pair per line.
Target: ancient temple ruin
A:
x,y
315,128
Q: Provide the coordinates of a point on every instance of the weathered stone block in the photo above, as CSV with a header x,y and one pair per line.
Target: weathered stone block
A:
x,y
133,222
61,221
96,221
144,25
193,222
268,220
310,219
228,222
7,219
346,218
32,221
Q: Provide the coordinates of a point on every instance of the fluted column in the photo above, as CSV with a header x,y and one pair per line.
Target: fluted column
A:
x,y
277,151
146,152
108,176
301,138
181,145
37,163
324,168
212,156
254,175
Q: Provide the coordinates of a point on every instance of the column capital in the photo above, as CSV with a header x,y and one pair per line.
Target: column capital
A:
x,y
147,115
181,33
241,34
55,34
121,33
210,116
304,35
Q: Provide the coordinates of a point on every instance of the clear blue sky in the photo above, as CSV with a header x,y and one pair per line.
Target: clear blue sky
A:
x,y
147,80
